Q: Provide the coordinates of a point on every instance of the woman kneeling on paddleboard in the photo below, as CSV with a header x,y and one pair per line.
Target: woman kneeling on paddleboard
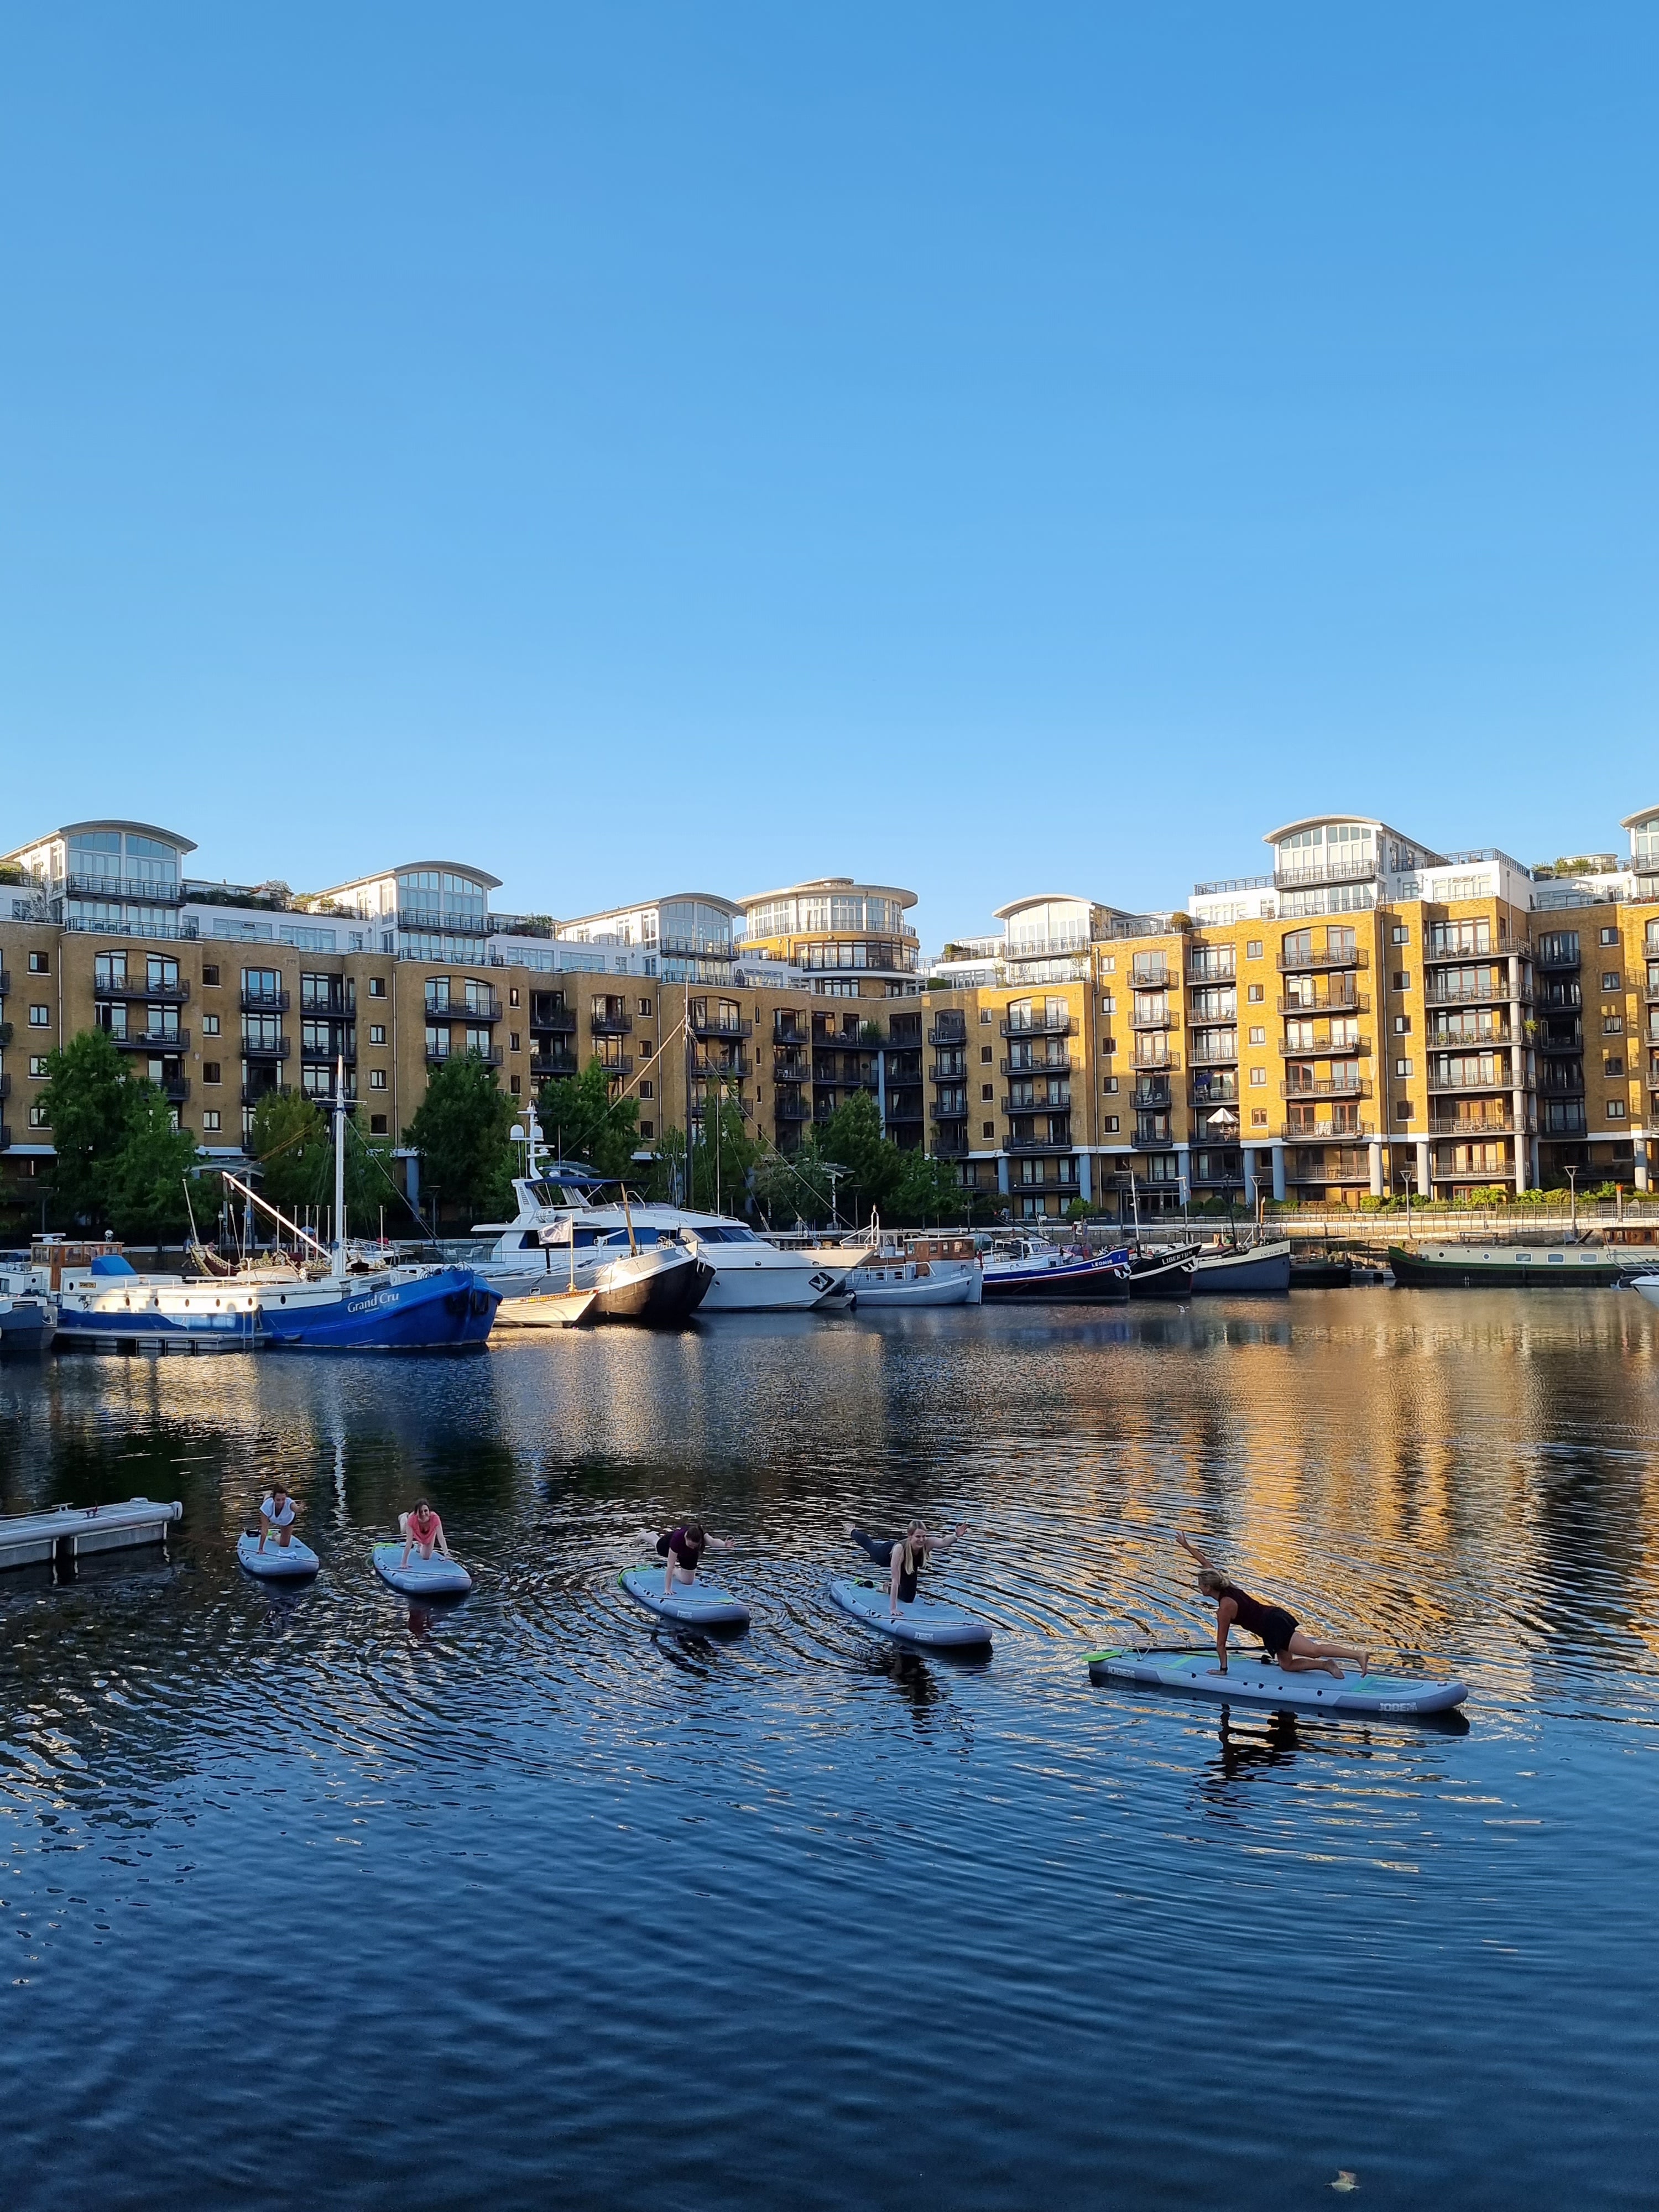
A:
x,y
683,1548
422,1529
1296,1653
903,1557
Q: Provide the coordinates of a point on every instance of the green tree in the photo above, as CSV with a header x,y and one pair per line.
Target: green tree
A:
x,y
796,1187
927,1190
146,1181
289,1140
851,1137
723,1160
460,1130
88,1104
582,1121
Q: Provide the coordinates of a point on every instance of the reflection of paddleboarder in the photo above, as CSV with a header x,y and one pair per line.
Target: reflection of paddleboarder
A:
x,y
903,1557
1296,1653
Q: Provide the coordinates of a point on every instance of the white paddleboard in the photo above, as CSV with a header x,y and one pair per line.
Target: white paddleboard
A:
x,y
924,1621
1250,1681
278,1563
434,1578
704,1605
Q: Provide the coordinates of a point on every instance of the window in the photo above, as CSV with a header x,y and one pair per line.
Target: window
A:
x,y
513,1043
988,1128
210,1025
377,987
1403,1024
1402,1067
1258,1077
1258,1117
377,1032
38,1067
1613,1025
211,1122
1402,978
1108,1082
646,1090
39,1017
1108,1003
1252,949
1255,993
1108,964
210,973
645,1046
38,1118
1612,979
377,1125
985,1051
40,963
1257,1036
1615,1110
1403,1113
1610,936
513,996
514,1083
1400,935
645,1008
987,1092
985,1016
209,1071
377,1079
647,1128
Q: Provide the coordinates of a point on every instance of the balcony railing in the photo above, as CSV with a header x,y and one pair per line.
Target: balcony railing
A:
x,y
610,1024
438,1052
1563,1081
710,1026
1036,1024
1555,962
938,1111
1571,1039
161,1041
254,1093
1500,946
1156,975
271,1048
791,1107
1457,1040
1442,991
329,1006
1325,872
123,887
1165,1062
1199,972
1490,1124
1327,1048
175,1088
1327,1132
1296,963
1034,1144
1153,1094
1050,1105
486,1007
1308,1176
621,1064
1441,1079
1061,1061
1350,1001
734,1065
545,1065
790,1067
559,1021
946,1032
1167,1018
1216,1093
950,1146
1337,1087
264,1002
1202,1052
158,994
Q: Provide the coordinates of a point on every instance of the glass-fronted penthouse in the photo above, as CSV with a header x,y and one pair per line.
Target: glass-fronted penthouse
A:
x,y
126,877
851,940
685,937
424,910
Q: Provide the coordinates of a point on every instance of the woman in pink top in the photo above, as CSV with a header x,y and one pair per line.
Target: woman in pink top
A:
x,y
422,1529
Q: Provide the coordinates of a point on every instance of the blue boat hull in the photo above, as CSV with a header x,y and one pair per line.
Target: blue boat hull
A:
x,y
439,1313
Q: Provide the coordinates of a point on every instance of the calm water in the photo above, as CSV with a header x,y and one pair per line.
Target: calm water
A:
x,y
311,1899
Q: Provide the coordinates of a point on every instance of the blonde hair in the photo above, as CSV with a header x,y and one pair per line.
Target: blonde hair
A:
x,y
1212,1582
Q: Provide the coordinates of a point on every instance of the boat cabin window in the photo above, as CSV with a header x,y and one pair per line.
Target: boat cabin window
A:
x,y
727,1236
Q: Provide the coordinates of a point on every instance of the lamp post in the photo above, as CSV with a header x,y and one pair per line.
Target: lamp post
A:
x,y
1572,1204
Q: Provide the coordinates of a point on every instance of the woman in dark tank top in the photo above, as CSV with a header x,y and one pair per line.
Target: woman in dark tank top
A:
x,y
1294,1652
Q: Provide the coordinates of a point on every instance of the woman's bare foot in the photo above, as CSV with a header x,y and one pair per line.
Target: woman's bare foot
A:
x,y
1364,1662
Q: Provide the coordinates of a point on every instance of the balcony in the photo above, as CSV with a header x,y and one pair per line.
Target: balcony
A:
x,y
261,1002
953,1068
1308,1176
1349,1001
1149,1138
614,1023
551,1021
546,1066
1488,1125
1152,1093
1567,1040
161,1041
175,1088
1200,971
158,994
438,1051
1049,1105
122,887
1204,1051
938,1111
1027,1065
434,921
1162,1059
1563,1121
1561,1080
1156,975
271,1048
622,1065
1307,873
791,1108
1337,1087
949,1030
696,948
1460,1039
5,1137
790,1067
1166,1018
709,1026
1496,1079
328,1053
1310,963
1338,1132
1034,1143
787,1028
1446,991
951,1144
328,1005
1556,960
485,1007
1216,1091
1326,1049
735,1065
829,1040
254,1093
1036,1024
1499,947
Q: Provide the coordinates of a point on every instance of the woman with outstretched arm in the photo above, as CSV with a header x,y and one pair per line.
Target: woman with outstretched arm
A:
x,y
1297,1653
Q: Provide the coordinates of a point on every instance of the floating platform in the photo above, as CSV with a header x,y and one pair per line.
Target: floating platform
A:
x,y
72,1531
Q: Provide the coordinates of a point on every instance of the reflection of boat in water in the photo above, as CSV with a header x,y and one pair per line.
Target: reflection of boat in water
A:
x,y
1030,1267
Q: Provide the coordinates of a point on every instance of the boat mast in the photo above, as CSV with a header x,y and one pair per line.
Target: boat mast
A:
x,y
339,1268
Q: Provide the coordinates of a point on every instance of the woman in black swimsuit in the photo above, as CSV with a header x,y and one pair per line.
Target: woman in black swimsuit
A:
x,y
903,1557
1296,1653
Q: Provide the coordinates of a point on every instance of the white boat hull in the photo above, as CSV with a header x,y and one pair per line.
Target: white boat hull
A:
x,y
775,1284
950,1282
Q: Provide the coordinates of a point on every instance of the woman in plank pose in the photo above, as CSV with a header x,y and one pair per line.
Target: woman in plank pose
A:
x,y
682,1549
903,1557
1296,1653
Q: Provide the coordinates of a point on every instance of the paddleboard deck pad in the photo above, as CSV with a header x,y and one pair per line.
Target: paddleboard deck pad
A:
x,y
434,1578
703,1605
924,1622
1249,1681
278,1563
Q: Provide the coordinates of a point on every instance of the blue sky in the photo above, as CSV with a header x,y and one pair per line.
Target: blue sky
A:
x,y
991,450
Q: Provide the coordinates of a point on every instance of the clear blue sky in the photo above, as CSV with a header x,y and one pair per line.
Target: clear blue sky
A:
x,y
988,449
